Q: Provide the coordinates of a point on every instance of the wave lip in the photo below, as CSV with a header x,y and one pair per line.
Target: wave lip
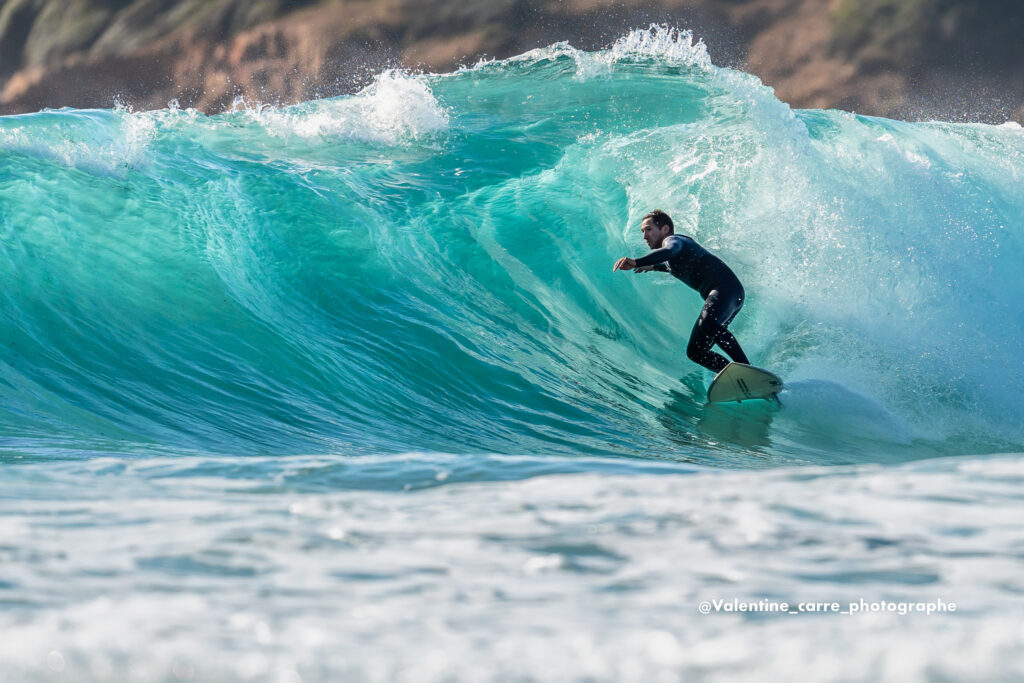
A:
x,y
666,44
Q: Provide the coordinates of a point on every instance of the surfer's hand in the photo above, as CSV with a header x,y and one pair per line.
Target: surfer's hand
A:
x,y
625,263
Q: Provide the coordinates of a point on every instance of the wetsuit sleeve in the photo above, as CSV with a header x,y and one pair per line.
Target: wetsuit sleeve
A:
x,y
671,248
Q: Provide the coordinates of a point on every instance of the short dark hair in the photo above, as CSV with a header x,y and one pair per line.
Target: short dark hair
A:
x,y
660,219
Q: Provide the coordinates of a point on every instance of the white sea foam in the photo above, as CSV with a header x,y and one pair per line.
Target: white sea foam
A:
x,y
152,573
395,108
668,45
100,142
665,43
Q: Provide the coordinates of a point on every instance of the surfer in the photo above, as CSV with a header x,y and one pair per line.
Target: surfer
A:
x,y
703,271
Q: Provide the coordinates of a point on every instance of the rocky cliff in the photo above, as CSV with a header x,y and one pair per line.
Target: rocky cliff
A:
x,y
948,59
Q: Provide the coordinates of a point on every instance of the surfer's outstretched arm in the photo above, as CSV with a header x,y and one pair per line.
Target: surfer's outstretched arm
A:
x,y
671,247
630,264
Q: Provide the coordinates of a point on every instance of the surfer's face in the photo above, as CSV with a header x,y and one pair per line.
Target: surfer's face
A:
x,y
653,235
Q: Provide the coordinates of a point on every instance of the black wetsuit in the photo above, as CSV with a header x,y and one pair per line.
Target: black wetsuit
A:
x,y
722,292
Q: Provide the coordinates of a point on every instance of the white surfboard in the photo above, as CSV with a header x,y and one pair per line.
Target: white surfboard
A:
x,y
741,382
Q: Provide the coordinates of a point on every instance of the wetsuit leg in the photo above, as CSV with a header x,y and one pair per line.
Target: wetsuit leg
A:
x,y
711,328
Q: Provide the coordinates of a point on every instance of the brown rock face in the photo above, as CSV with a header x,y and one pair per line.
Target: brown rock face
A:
x,y
207,53
945,59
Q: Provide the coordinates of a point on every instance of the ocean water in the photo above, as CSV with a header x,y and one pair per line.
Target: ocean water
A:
x,y
348,390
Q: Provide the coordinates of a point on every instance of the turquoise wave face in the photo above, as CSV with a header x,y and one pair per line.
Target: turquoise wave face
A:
x,y
426,266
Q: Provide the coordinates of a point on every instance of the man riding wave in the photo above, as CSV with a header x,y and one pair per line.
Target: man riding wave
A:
x,y
703,271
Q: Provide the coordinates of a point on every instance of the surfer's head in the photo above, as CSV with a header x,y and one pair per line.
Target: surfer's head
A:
x,y
656,226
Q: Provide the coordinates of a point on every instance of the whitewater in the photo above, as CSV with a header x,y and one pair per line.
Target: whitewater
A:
x,y
348,390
